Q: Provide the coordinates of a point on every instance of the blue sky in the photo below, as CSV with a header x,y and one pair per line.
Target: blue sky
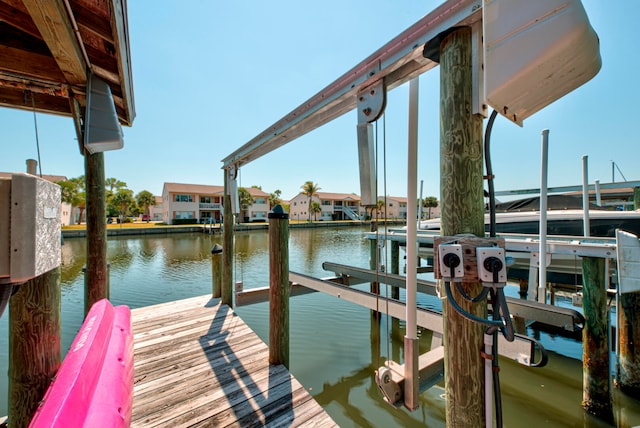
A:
x,y
211,76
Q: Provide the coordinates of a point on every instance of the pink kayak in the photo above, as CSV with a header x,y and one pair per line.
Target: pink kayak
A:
x,y
94,385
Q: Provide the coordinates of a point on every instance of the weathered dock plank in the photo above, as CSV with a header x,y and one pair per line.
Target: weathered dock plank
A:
x,y
198,364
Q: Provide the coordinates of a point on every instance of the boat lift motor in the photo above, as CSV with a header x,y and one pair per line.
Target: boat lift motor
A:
x,y
30,241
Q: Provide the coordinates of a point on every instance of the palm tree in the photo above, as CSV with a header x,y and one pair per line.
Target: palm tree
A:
x,y
113,185
380,208
309,188
274,198
123,198
430,202
315,209
145,199
79,197
245,200
69,194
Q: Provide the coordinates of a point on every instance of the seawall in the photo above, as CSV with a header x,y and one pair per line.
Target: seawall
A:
x,y
160,230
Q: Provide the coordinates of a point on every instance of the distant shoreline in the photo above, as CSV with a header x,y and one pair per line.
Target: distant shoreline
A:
x,y
242,227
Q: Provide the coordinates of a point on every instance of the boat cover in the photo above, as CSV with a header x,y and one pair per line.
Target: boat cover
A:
x,y
554,202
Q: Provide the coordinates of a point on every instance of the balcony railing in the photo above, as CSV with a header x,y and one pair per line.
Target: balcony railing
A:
x,y
210,206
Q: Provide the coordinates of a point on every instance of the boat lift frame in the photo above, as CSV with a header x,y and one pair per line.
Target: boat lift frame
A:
x,y
399,61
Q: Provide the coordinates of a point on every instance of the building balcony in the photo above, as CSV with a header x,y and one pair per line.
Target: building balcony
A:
x,y
210,206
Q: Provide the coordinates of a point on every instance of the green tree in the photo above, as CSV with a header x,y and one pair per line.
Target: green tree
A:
x,y
245,200
274,198
123,199
315,209
70,194
309,188
145,199
80,200
380,208
430,202
113,185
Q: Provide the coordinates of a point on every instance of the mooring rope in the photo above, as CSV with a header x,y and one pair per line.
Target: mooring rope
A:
x,y
377,253
386,255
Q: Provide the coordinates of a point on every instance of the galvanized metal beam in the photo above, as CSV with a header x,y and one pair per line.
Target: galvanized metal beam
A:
x,y
564,318
521,350
397,62
574,245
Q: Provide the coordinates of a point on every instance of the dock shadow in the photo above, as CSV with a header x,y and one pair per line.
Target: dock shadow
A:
x,y
255,395
338,392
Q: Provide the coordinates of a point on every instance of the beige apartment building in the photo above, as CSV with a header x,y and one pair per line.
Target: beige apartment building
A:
x,y
346,206
334,206
205,203
395,207
155,211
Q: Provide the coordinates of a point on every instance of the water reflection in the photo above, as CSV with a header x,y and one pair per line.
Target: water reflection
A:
x,y
73,260
336,346
339,393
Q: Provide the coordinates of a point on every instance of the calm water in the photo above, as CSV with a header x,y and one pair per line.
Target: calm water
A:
x,y
335,346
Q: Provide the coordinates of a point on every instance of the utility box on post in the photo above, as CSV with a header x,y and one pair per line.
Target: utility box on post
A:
x,y
30,241
535,52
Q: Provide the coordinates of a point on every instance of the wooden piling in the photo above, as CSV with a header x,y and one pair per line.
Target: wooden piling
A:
x,y
596,395
628,370
34,344
96,281
216,265
279,286
636,198
461,195
226,283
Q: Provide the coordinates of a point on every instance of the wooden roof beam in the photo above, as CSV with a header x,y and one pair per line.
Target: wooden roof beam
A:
x,y
18,19
93,23
52,19
120,29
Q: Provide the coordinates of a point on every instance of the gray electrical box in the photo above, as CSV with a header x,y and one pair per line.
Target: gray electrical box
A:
x,y
29,228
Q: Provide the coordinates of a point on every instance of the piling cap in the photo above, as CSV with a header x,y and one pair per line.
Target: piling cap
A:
x,y
217,249
278,212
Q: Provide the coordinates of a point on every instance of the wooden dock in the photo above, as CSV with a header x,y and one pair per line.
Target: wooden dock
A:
x,y
198,364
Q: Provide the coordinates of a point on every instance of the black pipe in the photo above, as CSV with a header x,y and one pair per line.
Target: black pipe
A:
x,y
487,160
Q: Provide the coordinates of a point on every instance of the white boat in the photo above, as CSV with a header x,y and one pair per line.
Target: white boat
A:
x,y
602,224
564,217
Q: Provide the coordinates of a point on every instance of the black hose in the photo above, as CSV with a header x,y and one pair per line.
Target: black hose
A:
x,y
497,395
487,160
508,332
481,296
467,315
498,296
495,368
